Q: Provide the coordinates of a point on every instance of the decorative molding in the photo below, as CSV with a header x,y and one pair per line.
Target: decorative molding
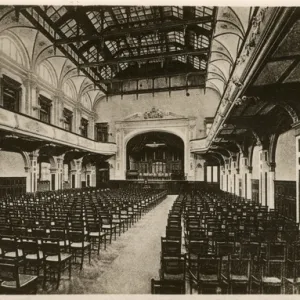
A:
x,y
154,113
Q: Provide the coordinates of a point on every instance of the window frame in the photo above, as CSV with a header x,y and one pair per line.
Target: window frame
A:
x,y
14,85
47,103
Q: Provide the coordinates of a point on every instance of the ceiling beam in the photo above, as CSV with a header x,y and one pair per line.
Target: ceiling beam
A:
x,y
110,35
283,57
156,90
143,58
119,80
47,34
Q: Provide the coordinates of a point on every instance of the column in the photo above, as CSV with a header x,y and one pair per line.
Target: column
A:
x,y
91,129
31,96
53,179
234,176
264,182
249,184
75,173
271,189
93,177
60,172
58,108
33,170
77,119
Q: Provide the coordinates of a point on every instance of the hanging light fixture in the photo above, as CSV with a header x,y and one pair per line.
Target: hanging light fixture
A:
x,y
155,145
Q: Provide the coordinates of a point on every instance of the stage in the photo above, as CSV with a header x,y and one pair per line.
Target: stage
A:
x,y
172,186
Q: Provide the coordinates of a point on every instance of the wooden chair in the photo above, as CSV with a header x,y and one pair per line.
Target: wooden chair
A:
x,y
292,277
109,227
14,282
167,287
9,247
173,269
268,274
79,246
33,257
96,235
209,273
238,273
54,260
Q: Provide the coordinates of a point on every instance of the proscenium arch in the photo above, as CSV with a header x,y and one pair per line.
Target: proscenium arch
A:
x,y
137,132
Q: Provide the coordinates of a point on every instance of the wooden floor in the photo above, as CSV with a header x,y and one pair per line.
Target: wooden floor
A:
x,y
127,265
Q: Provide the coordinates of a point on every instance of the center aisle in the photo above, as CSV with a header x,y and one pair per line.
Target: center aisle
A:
x,y
129,263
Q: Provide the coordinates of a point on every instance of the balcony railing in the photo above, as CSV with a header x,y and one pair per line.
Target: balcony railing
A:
x,y
26,125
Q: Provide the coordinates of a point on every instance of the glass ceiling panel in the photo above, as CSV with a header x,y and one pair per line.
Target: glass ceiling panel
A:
x,y
55,12
70,28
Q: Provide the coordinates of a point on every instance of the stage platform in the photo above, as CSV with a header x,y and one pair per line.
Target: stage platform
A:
x,y
172,186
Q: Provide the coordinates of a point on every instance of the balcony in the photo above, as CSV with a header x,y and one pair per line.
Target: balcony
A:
x,y
21,124
199,145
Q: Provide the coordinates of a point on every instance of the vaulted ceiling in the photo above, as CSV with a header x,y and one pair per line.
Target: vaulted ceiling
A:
x,y
125,49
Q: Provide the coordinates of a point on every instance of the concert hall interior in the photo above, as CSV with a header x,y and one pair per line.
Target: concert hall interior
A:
x,y
149,149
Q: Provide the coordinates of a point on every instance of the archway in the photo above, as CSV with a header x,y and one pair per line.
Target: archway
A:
x,y
155,155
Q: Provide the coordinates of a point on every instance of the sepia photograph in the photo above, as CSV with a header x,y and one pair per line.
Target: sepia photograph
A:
x,y
149,149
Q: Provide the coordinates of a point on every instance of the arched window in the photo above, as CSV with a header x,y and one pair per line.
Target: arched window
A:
x,y
45,74
86,102
8,47
68,90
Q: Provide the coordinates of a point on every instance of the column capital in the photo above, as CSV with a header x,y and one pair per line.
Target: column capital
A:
x,y
31,79
272,166
58,93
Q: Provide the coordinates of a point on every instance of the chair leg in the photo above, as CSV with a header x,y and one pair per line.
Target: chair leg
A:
x,y
99,240
58,277
90,251
70,268
82,257
45,275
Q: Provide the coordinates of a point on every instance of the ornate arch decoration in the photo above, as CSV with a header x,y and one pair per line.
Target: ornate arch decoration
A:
x,y
250,156
51,71
25,156
85,86
100,96
19,46
85,97
218,156
68,71
272,150
45,54
69,90
290,110
212,86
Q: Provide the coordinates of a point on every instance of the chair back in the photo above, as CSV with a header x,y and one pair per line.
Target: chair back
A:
x,y
8,243
50,247
170,247
240,266
29,245
9,271
209,265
